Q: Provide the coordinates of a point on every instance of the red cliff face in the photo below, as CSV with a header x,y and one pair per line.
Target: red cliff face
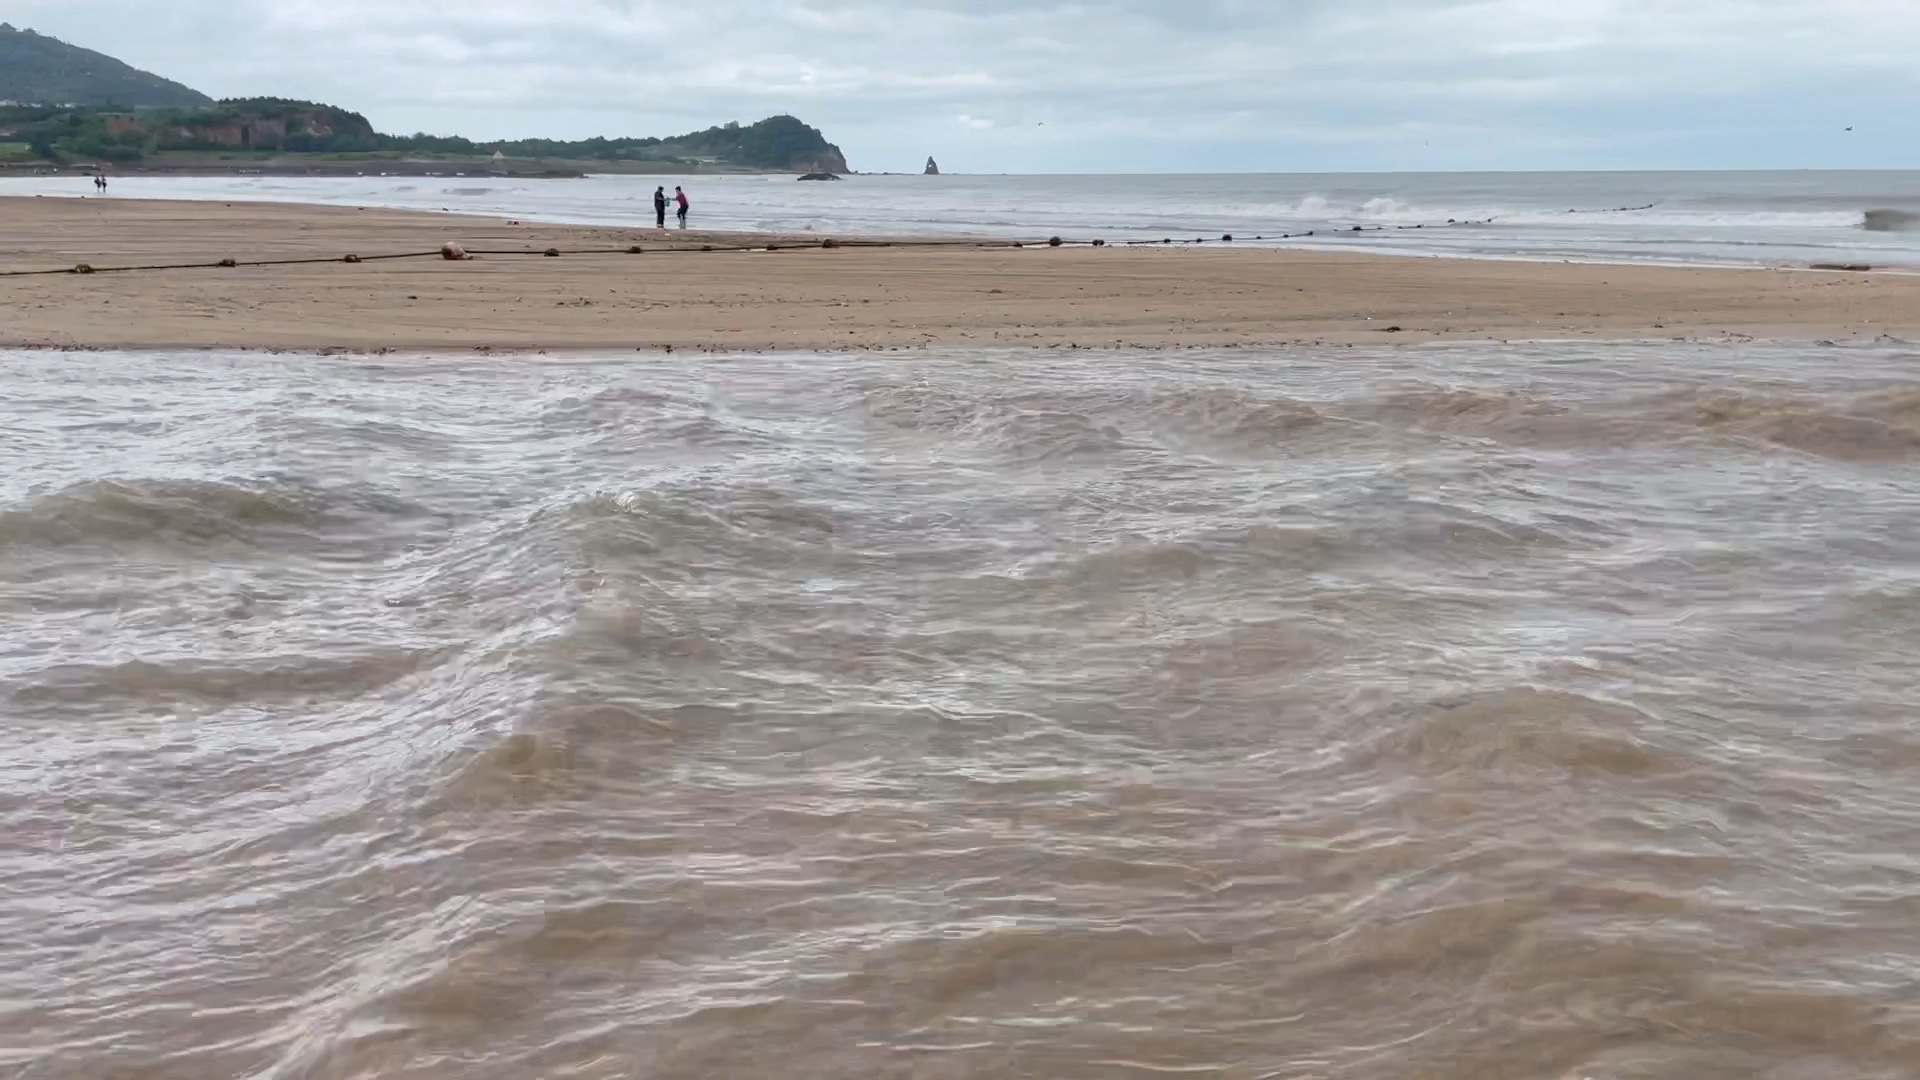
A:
x,y
242,133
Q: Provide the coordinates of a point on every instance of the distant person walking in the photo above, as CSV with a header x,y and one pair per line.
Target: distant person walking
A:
x,y
680,200
100,182
660,207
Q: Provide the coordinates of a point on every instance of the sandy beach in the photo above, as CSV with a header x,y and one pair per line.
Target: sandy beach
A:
x,y
849,298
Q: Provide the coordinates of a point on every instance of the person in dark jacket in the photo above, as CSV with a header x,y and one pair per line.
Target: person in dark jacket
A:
x,y
660,207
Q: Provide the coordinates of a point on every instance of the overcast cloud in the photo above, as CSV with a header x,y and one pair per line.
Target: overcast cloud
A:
x,y
1120,85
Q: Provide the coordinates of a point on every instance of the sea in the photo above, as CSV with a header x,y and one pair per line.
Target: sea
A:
x,y
1456,712
1713,218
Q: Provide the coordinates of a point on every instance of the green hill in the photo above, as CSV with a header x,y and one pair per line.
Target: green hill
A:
x,y
39,70
292,129
59,102
778,143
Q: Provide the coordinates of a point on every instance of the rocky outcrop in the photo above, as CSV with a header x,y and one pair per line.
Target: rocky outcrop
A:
x,y
265,124
243,133
827,160
933,167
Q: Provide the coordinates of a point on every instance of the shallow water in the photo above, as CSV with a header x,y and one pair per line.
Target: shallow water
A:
x,y
1445,712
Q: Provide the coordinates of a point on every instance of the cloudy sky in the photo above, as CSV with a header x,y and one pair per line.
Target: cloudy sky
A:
x,y
1087,85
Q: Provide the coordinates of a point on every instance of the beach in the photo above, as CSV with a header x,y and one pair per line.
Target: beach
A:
x,y
805,297
944,661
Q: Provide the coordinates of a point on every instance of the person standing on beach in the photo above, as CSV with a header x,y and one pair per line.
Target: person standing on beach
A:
x,y
680,199
660,207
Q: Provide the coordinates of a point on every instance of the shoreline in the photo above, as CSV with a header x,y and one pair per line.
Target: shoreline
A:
x,y
808,298
731,239
1284,242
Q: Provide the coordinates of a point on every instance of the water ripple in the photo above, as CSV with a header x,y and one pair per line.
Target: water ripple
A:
x,y
1452,712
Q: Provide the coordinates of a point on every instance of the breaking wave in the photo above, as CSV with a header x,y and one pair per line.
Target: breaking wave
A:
x,y
1891,221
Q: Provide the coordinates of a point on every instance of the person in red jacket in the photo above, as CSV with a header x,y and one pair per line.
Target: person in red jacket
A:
x,y
680,200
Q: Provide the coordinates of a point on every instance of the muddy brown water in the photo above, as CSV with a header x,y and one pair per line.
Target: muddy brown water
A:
x,y
1453,712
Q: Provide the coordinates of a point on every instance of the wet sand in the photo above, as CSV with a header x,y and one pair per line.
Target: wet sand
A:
x,y
850,298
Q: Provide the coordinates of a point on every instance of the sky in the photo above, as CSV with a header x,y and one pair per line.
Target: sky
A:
x,y
991,86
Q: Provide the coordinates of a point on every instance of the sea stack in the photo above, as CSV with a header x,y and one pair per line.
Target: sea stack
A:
x,y
933,167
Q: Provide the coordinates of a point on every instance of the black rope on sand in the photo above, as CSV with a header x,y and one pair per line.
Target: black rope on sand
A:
x,y
456,253
222,264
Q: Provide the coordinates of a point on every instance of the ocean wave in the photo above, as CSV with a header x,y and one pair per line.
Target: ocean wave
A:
x,y
181,683
1891,221
590,732
1127,566
193,512
1879,426
1897,404
676,533
623,403
1514,417
1814,427
1884,425
1236,416
1460,410
1391,211
1758,220
1521,732
640,414
1064,425
1031,428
